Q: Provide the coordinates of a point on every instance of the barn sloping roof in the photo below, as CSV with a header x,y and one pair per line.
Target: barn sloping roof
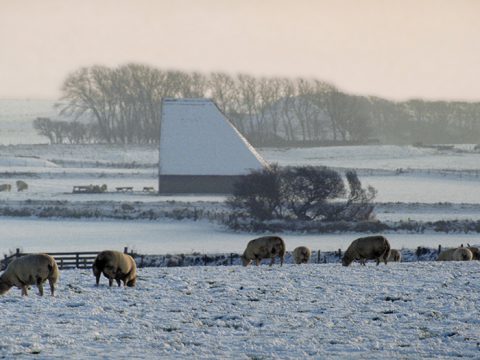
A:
x,y
196,138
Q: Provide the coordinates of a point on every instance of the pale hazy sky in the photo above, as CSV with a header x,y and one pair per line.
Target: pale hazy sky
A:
x,y
397,49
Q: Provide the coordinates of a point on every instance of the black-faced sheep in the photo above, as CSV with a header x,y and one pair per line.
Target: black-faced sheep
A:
x,y
301,255
367,248
27,270
267,247
115,265
395,256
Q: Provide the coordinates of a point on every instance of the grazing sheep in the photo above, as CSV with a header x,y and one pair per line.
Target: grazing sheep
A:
x,y
301,255
475,252
395,255
462,254
455,254
21,185
5,187
115,265
370,247
27,270
264,248
446,255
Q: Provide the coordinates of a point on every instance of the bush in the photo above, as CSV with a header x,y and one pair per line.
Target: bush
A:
x,y
299,193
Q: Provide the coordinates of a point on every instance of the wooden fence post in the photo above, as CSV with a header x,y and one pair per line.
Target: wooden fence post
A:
x,y
205,259
17,253
439,249
125,250
77,257
231,258
318,257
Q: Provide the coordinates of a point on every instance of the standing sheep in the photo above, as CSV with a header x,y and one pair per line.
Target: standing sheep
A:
x,y
301,255
21,185
27,270
264,248
367,248
115,265
395,255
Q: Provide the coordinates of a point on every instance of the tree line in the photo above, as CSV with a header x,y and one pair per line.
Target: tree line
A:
x,y
123,105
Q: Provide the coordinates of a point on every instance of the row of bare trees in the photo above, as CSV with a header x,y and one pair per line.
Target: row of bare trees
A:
x,y
123,105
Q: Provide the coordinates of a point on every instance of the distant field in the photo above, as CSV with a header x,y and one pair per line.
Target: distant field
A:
x,y
400,174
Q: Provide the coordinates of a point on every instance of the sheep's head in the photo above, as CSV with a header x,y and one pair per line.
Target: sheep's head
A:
x,y
132,282
245,261
347,260
4,287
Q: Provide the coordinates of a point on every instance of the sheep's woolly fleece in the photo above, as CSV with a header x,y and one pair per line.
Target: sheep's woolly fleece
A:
x,y
407,310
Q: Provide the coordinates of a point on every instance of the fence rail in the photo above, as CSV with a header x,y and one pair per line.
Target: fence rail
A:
x,y
65,260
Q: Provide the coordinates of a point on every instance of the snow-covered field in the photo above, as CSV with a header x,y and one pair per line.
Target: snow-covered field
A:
x,y
406,310
399,173
52,171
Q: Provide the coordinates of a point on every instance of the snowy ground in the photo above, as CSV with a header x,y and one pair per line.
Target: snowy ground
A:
x,y
406,310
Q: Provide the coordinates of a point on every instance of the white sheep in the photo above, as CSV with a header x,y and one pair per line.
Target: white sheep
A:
x,y
395,255
301,255
455,254
5,187
27,270
21,185
267,247
370,247
115,265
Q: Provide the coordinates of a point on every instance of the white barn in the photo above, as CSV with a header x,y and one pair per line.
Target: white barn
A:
x,y
200,149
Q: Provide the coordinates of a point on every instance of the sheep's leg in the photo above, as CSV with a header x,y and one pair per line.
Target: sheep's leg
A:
x,y
52,286
272,261
24,290
378,261
110,281
281,260
118,282
97,279
257,261
40,289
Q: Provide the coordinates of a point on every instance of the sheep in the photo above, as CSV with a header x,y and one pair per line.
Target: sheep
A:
x,y
115,265
264,248
475,252
27,270
462,254
395,255
21,185
370,247
5,187
455,254
301,255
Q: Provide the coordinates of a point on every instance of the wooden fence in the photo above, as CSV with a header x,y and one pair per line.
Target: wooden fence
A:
x,y
65,260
